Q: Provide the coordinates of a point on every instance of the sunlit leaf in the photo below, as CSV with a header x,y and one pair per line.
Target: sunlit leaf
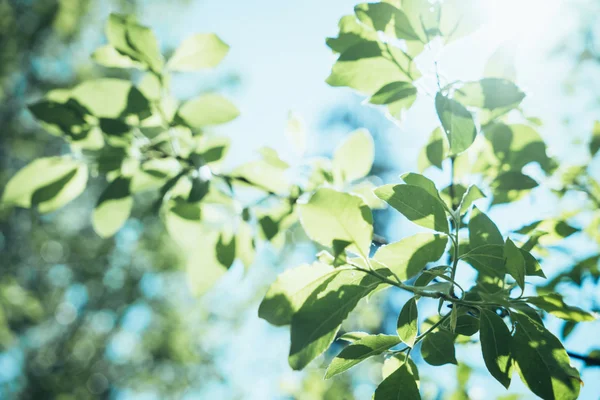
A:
x,y
202,50
554,304
408,322
46,183
515,263
398,96
317,321
369,65
207,109
386,18
410,255
111,98
495,345
351,33
416,204
353,159
332,215
113,207
542,362
359,350
400,384
490,93
438,348
457,122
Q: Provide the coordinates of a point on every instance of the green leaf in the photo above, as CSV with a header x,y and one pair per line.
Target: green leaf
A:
x,y
495,345
207,109
290,291
472,194
595,140
408,321
459,18
367,66
424,17
457,122
532,266
515,263
488,259
554,304
385,18
416,204
111,98
332,215
263,175
410,255
435,152
466,325
134,40
398,96
553,230
514,180
490,93
353,159
202,50
316,323
110,57
113,207
359,350
58,118
438,348
48,183
518,145
351,33
483,231
400,384
542,362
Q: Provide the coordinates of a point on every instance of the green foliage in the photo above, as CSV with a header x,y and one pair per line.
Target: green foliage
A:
x,y
145,142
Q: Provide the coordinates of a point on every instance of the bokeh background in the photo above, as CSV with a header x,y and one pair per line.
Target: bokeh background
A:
x,y
86,318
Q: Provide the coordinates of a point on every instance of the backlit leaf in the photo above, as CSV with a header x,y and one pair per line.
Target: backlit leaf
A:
x,y
416,204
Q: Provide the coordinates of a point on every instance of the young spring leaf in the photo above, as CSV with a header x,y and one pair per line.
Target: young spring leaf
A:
x,y
351,33
495,345
400,384
202,50
111,98
318,319
410,255
435,151
367,66
207,109
408,322
48,183
330,215
490,93
385,18
290,291
398,96
113,207
134,41
515,263
438,348
108,56
483,231
353,159
554,304
423,182
542,362
416,204
359,350
457,122
472,194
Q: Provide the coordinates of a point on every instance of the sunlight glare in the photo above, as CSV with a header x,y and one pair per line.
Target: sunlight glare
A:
x,y
520,19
